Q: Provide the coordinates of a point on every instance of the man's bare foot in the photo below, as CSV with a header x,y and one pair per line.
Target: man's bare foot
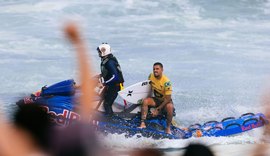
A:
x,y
142,125
168,130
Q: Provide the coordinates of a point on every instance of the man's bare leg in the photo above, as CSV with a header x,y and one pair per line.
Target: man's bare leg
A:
x,y
144,111
169,109
146,102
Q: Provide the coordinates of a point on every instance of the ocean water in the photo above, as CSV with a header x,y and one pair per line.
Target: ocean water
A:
x,y
215,52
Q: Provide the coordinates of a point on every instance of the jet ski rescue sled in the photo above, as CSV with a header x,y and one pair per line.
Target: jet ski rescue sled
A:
x,y
60,102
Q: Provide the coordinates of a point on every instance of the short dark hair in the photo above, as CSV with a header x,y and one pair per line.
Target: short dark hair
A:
x,y
34,119
158,64
198,149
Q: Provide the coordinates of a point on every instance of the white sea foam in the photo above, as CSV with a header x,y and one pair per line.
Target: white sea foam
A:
x,y
121,142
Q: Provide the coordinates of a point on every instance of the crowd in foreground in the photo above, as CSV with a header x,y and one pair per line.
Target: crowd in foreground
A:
x,y
33,134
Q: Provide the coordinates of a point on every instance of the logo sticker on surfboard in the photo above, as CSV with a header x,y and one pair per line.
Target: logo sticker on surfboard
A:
x,y
130,93
136,92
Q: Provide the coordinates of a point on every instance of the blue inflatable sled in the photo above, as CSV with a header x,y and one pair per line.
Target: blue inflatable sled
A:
x,y
60,101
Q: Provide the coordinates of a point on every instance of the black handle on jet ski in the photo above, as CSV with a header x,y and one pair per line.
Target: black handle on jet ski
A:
x,y
228,118
252,119
246,114
232,124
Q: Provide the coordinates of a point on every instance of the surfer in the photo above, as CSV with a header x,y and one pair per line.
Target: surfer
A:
x,y
162,101
111,76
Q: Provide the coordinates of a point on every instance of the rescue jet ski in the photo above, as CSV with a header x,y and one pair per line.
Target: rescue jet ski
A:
x,y
60,101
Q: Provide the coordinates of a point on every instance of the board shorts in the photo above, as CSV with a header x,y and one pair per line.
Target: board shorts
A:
x,y
158,103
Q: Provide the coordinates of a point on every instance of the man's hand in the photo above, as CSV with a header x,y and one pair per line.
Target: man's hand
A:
x,y
155,112
73,33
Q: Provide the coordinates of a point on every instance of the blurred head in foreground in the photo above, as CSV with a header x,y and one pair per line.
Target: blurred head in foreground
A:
x,y
34,121
197,150
77,139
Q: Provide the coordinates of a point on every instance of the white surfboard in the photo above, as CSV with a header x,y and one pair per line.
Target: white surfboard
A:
x,y
136,92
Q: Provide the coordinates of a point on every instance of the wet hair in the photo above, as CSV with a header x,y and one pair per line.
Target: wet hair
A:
x,y
158,64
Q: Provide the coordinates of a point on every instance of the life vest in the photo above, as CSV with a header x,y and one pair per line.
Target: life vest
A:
x,y
106,74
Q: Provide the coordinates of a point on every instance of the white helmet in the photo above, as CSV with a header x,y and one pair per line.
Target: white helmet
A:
x,y
104,49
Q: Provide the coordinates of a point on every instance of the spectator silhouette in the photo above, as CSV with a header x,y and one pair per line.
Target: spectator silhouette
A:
x,y
198,150
77,139
33,120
